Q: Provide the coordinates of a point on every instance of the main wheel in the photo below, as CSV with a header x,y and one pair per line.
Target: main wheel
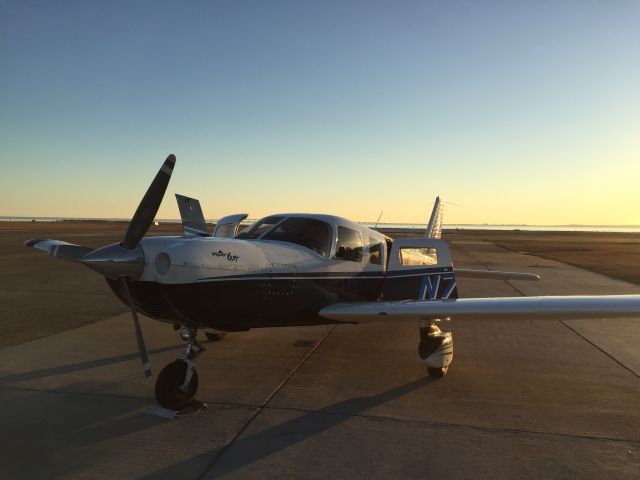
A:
x,y
214,337
168,391
437,372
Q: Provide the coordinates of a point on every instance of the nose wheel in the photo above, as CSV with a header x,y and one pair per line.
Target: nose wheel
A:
x,y
170,392
177,383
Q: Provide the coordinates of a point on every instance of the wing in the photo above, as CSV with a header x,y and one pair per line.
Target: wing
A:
x,y
552,308
495,275
60,249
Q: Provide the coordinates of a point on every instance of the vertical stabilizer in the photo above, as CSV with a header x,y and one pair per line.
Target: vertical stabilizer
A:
x,y
434,228
193,222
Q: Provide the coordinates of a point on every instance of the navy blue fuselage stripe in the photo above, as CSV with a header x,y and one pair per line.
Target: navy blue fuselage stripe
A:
x,y
419,271
329,275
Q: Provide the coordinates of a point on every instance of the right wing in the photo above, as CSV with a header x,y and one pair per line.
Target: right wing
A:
x,y
495,275
550,308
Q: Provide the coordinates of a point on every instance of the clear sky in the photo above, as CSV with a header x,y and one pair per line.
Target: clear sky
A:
x,y
520,112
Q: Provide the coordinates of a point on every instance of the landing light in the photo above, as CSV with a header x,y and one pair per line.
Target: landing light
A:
x,y
186,334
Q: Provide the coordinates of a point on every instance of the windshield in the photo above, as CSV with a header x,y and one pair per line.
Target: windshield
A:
x,y
260,227
308,232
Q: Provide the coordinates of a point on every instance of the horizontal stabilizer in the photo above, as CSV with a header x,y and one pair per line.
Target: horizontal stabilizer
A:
x,y
60,249
193,223
531,308
495,275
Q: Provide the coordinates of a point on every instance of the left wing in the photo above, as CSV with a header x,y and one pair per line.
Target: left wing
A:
x,y
58,248
552,308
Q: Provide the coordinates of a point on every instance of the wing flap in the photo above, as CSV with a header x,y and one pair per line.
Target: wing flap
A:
x,y
549,308
495,275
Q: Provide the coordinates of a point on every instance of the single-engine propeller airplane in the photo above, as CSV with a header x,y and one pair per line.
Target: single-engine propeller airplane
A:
x,y
296,269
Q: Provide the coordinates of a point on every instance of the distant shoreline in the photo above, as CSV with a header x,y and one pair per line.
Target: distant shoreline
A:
x,y
397,228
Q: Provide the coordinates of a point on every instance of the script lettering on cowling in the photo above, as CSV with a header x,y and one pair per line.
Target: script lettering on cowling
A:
x,y
230,256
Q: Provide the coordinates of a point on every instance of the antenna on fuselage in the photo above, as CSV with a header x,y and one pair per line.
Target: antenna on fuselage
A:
x,y
379,217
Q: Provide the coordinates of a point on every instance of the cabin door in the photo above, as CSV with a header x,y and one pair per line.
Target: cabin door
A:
x,y
419,269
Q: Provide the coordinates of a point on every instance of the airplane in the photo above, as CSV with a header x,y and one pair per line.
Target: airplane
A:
x,y
297,269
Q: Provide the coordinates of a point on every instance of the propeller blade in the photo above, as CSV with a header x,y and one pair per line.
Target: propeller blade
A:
x,y
142,348
149,205
60,249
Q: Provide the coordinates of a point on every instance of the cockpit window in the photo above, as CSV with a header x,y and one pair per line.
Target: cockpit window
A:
x,y
349,245
260,227
308,232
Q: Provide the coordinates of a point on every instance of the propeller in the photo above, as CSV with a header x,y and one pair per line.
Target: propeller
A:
x,y
126,259
140,223
121,261
142,347
149,205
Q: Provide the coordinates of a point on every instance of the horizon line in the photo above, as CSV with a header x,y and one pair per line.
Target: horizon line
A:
x,y
21,218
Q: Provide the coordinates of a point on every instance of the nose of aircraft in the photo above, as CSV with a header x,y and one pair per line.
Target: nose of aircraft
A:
x,y
202,259
115,261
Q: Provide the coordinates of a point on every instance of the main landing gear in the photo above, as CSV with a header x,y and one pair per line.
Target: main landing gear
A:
x,y
177,383
435,348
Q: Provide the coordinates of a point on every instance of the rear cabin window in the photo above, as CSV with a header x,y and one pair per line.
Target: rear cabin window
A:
x,y
349,246
308,232
375,252
418,257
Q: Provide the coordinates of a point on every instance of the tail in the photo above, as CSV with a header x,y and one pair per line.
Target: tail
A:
x,y
193,222
434,228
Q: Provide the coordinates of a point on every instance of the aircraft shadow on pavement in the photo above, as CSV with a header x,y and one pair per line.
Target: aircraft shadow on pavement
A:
x,y
76,367
259,445
49,432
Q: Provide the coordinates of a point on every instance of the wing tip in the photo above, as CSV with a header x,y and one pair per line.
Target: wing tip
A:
x,y
33,242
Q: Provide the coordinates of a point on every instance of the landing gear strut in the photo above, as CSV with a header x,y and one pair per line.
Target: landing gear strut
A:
x,y
177,383
435,348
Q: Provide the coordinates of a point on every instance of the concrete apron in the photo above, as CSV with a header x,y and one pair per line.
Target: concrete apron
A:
x,y
521,399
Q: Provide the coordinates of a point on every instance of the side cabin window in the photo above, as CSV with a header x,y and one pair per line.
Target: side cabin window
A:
x,y
375,252
308,232
349,246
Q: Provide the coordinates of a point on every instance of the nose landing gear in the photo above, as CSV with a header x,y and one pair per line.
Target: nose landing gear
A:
x,y
177,383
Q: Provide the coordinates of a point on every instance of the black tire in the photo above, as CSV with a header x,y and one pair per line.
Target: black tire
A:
x,y
214,337
168,392
437,372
